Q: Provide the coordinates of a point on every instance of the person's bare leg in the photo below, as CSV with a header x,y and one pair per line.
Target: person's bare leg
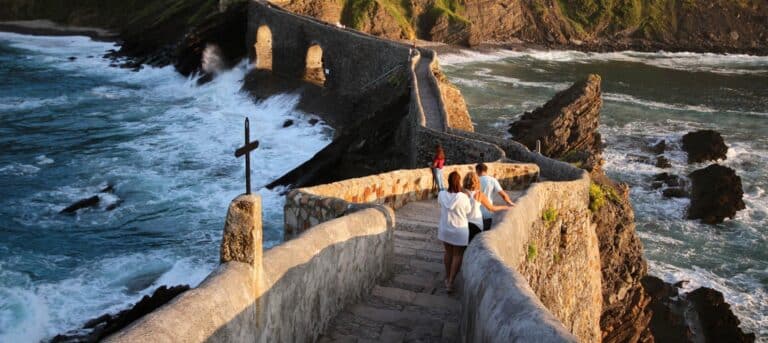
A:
x,y
447,257
456,259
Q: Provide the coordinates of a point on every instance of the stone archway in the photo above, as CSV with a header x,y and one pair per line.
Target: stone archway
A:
x,y
263,47
314,71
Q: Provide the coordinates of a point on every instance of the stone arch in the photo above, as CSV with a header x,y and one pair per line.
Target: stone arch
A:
x,y
314,71
263,47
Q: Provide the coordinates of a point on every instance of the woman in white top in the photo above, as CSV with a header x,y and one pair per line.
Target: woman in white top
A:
x,y
477,198
454,228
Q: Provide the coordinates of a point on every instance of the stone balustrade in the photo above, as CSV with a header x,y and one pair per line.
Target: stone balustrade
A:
x,y
306,207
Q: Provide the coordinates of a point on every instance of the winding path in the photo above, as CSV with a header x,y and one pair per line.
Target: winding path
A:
x,y
429,95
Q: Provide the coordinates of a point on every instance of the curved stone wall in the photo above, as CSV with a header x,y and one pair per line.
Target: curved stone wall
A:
x,y
306,207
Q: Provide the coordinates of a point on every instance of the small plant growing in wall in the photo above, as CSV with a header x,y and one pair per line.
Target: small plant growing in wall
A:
x,y
596,197
549,215
532,253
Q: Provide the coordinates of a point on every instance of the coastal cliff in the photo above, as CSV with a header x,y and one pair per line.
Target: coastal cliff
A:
x,y
634,308
722,26
675,25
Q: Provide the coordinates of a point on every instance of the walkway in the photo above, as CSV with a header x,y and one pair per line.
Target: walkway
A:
x,y
411,305
429,94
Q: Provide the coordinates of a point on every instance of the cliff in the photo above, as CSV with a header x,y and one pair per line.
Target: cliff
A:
x,y
713,26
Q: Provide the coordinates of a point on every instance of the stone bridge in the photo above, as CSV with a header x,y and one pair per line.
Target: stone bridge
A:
x,y
361,262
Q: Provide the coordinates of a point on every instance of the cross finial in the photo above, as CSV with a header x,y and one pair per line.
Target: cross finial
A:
x,y
246,150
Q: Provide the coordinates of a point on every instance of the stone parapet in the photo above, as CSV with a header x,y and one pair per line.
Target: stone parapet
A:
x,y
538,268
306,207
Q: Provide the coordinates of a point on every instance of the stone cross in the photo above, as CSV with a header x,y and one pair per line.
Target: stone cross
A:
x,y
246,150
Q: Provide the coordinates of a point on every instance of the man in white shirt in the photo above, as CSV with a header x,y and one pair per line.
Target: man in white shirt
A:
x,y
489,185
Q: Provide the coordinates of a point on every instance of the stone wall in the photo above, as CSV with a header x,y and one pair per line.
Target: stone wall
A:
x,y
539,268
302,283
458,149
306,207
343,50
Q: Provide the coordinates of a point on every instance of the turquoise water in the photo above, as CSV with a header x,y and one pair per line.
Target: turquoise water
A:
x,y
648,97
70,128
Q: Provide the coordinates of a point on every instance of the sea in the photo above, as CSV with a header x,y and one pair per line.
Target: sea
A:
x,y
72,125
649,97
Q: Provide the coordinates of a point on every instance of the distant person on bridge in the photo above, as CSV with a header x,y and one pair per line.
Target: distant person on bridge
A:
x,y
437,167
477,198
453,229
489,185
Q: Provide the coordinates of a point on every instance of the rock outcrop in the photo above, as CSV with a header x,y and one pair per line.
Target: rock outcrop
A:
x,y
716,194
698,316
704,145
99,328
567,125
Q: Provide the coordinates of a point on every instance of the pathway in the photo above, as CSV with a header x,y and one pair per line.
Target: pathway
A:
x,y
428,94
411,305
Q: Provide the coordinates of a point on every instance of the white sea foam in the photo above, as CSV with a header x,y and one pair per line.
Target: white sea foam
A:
x,y
685,61
183,160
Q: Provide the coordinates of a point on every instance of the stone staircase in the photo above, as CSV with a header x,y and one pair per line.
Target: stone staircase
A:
x,y
411,305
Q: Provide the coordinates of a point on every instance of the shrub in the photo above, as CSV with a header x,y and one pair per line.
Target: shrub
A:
x,y
596,197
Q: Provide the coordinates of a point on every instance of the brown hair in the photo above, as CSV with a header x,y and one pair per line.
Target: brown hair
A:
x,y
471,182
481,168
439,152
454,182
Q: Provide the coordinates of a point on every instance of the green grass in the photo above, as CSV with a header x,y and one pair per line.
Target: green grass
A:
x,y
532,253
356,12
549,215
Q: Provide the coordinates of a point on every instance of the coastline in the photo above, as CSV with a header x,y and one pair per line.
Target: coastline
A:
x,y
44,27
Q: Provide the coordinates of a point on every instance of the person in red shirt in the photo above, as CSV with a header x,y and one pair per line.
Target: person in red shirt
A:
x,y
437,167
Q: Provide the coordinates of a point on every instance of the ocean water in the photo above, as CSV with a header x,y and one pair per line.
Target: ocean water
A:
x,y
69,128
649,97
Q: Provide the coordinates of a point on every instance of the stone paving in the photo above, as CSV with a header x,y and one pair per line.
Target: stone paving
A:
x,y
412,304
428,95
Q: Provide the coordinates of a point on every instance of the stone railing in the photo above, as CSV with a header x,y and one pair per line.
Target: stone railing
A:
x,y
539,268
306,207
255,297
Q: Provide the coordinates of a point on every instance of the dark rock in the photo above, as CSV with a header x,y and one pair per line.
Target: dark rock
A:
x,y
663,162
205,78
314,121
88,202
659,147
668,320
287,123
567,124
704,145
673,314
225,30
716,194
675,192
657,184
671,180
72,58
108,189
717,320
639,158
96,329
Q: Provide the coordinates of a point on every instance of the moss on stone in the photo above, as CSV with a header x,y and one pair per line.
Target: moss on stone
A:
x,y
549,215
532,253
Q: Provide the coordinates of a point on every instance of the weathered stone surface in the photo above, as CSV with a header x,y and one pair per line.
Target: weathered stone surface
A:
x,y
242,239
566,125
716,194
704,145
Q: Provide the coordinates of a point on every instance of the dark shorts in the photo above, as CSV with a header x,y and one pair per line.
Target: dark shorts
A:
x,y
487,224
473,231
